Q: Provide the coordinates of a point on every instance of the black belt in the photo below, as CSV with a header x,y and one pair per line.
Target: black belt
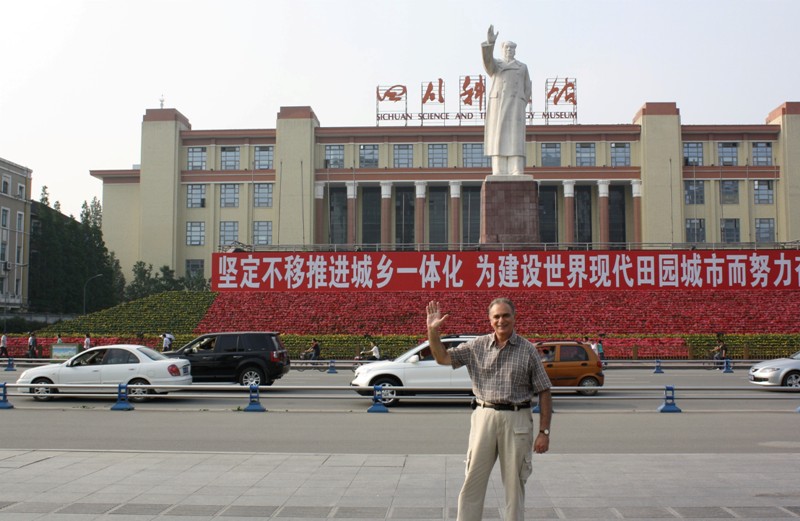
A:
x,y
503,406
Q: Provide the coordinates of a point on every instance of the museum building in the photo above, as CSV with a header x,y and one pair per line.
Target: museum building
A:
x,y
653,183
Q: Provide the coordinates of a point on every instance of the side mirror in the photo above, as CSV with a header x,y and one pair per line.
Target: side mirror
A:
x,y
414,359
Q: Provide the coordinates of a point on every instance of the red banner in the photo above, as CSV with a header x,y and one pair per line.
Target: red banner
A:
x,y
516,270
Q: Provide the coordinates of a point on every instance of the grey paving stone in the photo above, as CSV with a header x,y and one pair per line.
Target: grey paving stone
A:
x,y
359,512
757,512
195,510
587,513
301,511
33,508
702,512
141,509
541,513
488,513
417,512
793,509
645,512
248,511
4,504
88,508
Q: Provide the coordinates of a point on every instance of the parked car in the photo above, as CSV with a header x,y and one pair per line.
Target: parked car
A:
x,y
567,364
112,364
246,357
784,372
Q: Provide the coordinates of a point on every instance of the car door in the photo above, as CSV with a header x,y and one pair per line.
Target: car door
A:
x,y
428,373
227,355
571,362
83,369
200,353
119,366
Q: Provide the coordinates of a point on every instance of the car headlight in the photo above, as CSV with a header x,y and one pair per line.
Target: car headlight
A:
x,y
23,375
768,369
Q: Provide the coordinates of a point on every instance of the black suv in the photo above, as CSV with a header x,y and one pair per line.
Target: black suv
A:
x,y
250,358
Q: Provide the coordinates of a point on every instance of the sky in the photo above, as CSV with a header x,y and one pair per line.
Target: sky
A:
x,y
77,76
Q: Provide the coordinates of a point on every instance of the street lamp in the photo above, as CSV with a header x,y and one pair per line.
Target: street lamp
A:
x,y
84,289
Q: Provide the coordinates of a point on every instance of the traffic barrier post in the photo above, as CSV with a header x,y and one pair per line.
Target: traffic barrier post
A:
x,y
728,367
669,401
255,401
10,365
658,369
122,399
332,367
4,397
377,404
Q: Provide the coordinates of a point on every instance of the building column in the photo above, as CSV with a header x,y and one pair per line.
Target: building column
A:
x,y
352,190
419,212
455,215
636,189
386,214
602,193
320,218
569,211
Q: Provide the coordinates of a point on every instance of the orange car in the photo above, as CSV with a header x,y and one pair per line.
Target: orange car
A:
x,y
572,364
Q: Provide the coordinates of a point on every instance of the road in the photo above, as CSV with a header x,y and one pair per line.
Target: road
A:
x,y
743,419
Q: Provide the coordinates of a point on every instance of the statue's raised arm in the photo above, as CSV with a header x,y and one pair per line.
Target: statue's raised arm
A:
x,y
492,36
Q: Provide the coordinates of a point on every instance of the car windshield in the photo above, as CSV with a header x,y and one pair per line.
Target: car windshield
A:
x,y
151,353
796,356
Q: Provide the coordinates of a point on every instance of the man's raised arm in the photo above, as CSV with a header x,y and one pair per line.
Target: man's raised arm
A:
x,y
435,321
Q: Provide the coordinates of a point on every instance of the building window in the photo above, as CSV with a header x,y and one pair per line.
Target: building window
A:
x,y
403,156
197,158
473,156
471,214
195,268
584,154
228,232
337,227
195,233
262,233
762,154
262,195
729,192
3,251
765,230
693,154
19,255
4,215
437,156
6,186
729,230
21,191
762,192
229,158
404,200
20,222
694,192
370,215
195,196
264,157
620,154
583,214
368,156
728,154
437,215
616,214
551,154
695,230
334,156
229,196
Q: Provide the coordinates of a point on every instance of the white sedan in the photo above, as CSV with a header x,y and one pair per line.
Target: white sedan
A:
x,y
784,372
110,365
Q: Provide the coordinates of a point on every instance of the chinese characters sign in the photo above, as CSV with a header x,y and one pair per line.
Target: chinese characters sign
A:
x,y
517,270
391,106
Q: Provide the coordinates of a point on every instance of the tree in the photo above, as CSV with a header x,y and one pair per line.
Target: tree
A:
x,y
44,198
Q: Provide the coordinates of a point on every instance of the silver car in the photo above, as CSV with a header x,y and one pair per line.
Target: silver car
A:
x,y
783,372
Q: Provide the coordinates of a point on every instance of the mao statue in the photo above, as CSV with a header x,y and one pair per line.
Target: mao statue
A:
x,y
504,133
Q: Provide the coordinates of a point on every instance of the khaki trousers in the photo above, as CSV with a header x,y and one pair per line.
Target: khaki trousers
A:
x,y
507,435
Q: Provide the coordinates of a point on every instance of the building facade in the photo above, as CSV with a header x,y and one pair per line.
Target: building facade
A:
x,y
15,187
651,183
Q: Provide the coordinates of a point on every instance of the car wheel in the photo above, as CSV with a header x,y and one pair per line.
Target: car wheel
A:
x,y
252,376
138,394
43,394
590,383
792,379
389,395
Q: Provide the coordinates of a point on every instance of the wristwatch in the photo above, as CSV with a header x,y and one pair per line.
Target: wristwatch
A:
x,y
546,432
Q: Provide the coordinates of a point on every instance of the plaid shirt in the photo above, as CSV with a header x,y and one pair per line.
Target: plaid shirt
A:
x,y
512,374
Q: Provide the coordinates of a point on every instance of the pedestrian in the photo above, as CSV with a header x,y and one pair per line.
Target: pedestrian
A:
x,y
32,345
720,353
599,349
87,342
593,345
506,372
59,340
4,346
167,339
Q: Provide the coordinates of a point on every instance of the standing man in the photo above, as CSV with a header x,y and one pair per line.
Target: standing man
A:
x,y
32,345
506,372
504,130
4,346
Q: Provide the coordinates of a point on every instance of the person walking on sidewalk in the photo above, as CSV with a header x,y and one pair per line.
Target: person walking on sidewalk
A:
x,y
506,373
4,346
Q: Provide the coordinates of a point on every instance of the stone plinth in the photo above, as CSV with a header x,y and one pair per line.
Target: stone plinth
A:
x,y
509,210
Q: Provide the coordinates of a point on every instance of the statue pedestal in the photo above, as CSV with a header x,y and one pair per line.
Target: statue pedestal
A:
x,y
509,209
